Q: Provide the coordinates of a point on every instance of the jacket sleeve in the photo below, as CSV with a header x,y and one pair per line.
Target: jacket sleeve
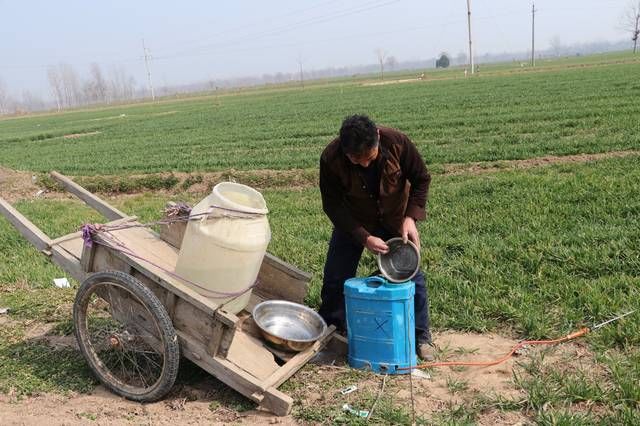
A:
x,y
417,174
333,195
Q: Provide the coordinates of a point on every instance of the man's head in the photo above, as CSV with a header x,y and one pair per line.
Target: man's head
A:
x,y
359,139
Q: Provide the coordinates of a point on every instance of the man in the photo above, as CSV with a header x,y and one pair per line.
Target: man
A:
x,y
374,186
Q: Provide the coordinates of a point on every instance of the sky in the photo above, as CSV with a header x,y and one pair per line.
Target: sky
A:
x,y
196,41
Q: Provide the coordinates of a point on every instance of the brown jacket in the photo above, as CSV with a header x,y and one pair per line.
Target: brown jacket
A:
x,y
403,191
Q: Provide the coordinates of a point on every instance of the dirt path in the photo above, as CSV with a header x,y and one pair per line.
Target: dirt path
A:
x,y
497,166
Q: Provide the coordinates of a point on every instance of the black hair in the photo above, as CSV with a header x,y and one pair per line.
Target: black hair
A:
x,y
358,134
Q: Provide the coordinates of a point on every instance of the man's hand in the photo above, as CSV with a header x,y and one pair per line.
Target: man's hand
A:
x,y
375,245
410,231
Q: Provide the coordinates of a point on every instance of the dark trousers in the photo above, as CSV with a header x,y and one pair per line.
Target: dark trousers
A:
x,y
342,262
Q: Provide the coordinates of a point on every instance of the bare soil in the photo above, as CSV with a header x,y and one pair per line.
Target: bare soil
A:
x,y
16,185
103,407
79,135
201,401
496,166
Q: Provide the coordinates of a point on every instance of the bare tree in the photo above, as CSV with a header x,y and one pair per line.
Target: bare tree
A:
x,y
31,102
556,45
391,62
71,85
130,86
630,23
5,99
99,84
121,86
382,55
56,87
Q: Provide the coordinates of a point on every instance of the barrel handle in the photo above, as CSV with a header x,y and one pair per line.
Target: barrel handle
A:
x,y
374,281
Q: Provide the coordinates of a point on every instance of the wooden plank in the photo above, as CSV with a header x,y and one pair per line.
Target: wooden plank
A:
x,y
249,327
68,262
234,377
193,321
277,402
29,231
287,370
87,257
73,246
170,302
280,280
254,299
338,344
105,259
90,199
216,337
287,268
221,368
78,234
173,233
68,237
249,354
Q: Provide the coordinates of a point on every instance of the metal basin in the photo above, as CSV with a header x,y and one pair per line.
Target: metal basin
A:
x,y
401,263
288,326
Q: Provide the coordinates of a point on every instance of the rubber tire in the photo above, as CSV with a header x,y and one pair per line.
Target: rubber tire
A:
x,y
162,319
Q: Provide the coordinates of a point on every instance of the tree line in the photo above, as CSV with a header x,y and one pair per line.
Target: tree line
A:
x,y
69,90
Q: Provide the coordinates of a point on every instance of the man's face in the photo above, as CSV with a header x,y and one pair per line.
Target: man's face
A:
x,y
364,159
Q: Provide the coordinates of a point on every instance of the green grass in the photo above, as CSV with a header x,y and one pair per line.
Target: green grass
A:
x,y
495,116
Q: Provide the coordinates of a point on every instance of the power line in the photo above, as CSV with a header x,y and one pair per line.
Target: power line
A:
x,y
285,28
370,5
252,25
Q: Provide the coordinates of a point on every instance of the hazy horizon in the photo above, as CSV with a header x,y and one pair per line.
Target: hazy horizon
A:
x,y
203,41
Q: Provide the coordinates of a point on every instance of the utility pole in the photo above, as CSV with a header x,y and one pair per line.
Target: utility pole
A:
x,y
636,32
147,58
300,64
533,34
301,76
469,26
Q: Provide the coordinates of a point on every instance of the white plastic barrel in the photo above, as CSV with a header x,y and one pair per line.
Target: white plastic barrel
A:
x,y
222,251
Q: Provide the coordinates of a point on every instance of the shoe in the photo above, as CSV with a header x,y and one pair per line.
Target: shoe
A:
x,y
426,352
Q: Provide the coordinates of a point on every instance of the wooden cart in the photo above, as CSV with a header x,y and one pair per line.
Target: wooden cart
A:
x,y
133,320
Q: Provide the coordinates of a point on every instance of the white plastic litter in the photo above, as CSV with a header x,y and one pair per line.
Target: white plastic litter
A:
x,y
4,311
420,374
359,413
349,389
61,282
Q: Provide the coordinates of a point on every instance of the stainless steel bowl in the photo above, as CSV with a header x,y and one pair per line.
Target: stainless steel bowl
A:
x,y
401,262
288,326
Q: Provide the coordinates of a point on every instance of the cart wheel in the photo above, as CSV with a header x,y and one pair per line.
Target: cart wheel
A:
x,y
126,336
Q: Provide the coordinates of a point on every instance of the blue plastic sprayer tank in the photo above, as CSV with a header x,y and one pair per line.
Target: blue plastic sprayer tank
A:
x,y
380,324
